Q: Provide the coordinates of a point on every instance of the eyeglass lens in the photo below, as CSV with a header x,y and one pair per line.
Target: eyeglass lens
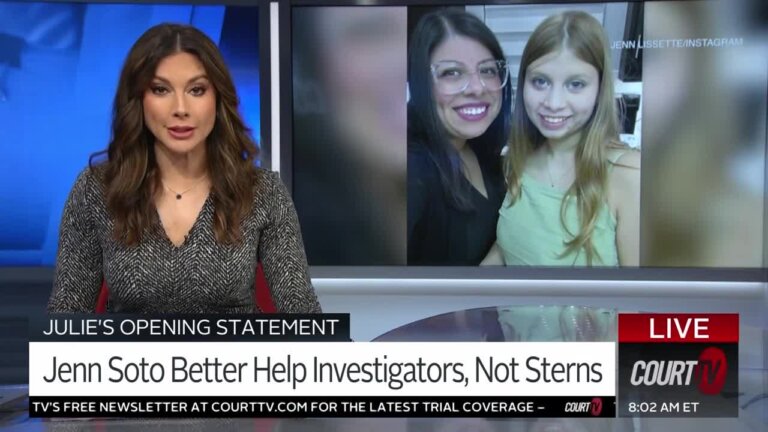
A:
x,y
454,77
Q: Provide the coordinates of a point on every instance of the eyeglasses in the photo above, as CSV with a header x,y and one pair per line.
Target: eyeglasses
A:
x,y
452,77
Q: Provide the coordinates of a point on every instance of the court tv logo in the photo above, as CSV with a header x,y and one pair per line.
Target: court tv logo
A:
x,y
593,407
707,373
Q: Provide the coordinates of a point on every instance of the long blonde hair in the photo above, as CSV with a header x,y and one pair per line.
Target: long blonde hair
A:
x,y
584,36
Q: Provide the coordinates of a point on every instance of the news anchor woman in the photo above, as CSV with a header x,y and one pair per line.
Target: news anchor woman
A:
x,y
458,122
573,195
176,217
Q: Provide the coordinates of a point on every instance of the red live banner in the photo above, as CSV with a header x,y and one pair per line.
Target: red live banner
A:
x,y
674,327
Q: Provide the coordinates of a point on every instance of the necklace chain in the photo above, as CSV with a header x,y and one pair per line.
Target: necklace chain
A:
x,y
549,172
180,194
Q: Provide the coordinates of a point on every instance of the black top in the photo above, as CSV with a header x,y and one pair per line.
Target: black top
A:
x,y
198,276
440,234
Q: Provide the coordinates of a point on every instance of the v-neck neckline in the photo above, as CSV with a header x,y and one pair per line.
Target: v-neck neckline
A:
x,y
475,190
192,229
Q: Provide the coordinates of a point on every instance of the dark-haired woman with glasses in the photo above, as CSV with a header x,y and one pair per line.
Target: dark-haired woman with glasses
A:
x,y
458,121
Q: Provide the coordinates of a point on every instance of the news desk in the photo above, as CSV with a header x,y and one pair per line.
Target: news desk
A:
x,y
491,324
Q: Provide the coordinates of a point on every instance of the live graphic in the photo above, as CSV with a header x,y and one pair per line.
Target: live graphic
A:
x,y
673,365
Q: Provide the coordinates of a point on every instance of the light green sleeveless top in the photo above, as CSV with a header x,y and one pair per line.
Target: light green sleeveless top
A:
x,y
530,232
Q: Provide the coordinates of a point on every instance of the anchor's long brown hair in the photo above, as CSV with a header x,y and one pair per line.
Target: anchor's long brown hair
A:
x,y
131,177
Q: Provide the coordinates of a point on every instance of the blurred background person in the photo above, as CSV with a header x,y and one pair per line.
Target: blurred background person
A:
x,y
573,188
349,133
705,135
458,122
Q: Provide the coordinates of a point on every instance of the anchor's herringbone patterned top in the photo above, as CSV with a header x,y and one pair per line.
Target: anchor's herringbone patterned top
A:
x,y
199,276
